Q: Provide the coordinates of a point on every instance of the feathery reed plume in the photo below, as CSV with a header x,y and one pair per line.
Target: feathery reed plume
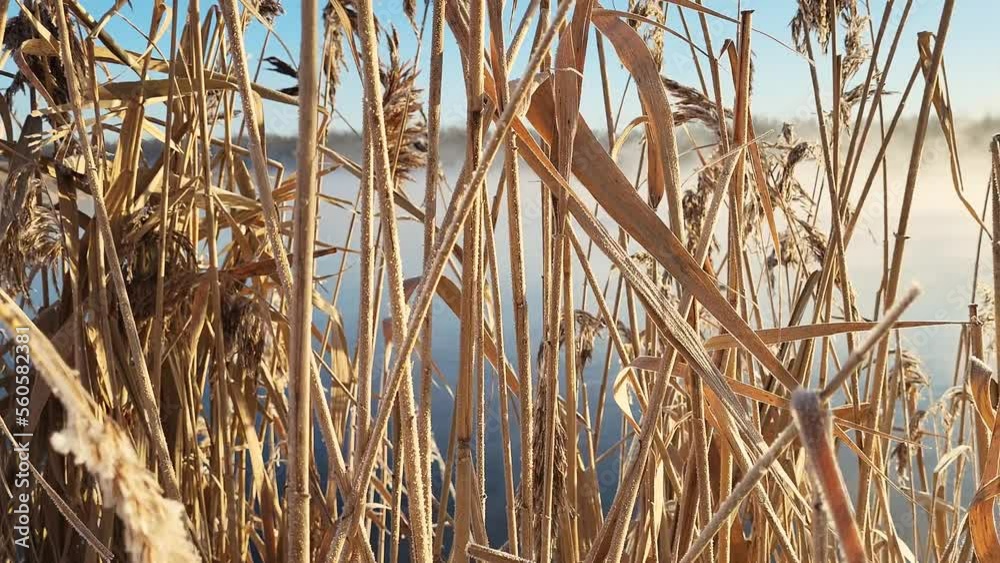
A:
x,y
32,241
283,68
270,9
653,35
801,245
588,328
904,450
908,375
690,105
814,16
154,529
405,128
855,95
340,18
410,9
47,73
856,50
244,329
537,503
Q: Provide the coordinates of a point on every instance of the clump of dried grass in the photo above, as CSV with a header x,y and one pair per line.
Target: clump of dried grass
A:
x,y
801,245
32,243
140,257
47,73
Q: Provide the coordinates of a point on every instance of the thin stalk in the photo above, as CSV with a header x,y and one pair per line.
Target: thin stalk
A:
x,y
303,243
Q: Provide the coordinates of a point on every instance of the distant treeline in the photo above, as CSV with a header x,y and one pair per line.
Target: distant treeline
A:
x,y
348,143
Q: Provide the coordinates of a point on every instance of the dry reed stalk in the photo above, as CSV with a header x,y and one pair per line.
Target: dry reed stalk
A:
x,y
473,248
303,242
549,430
735,266
156,353
466,501
470,356
364,359
511,177
510,494
485,553
272,219
430,224
574,366
819,539
520,306
419,510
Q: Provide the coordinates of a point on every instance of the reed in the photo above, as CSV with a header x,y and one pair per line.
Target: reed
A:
x,y
685,375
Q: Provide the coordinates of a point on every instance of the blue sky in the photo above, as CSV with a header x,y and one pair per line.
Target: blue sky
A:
x,y
782,85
